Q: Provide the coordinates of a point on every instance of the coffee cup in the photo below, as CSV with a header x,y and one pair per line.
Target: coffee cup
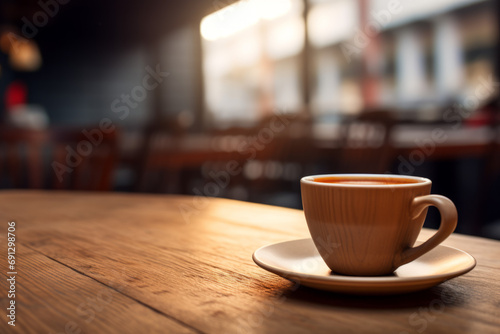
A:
x,y
367,224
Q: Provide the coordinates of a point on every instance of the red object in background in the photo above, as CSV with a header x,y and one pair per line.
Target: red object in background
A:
x,y
15,94
485,115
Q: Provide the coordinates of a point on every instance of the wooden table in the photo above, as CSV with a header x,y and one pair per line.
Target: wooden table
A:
x,y
123,263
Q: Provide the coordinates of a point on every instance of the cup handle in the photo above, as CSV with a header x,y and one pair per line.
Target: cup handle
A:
x,y
448,223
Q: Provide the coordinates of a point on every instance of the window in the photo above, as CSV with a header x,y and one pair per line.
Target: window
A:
x,y
251,60
405,55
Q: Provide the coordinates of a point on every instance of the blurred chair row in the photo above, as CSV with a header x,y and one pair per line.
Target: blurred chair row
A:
x,y
265,160
57,159
267,157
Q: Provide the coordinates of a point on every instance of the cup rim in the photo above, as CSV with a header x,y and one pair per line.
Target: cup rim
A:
x,y
421,180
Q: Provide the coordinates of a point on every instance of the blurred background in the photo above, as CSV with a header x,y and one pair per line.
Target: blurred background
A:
x,y
239,99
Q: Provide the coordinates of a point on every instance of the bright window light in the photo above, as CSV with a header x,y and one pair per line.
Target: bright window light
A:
x,y
332,22
238,16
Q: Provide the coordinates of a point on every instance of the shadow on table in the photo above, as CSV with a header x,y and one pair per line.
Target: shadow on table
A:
x,y
446,294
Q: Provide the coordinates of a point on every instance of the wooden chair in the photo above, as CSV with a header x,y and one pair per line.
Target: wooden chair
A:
x,y
288,156
366,143
270,158
172,161
57,159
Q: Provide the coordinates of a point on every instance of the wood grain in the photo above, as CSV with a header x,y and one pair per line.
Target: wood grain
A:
x,y
53,298
186,263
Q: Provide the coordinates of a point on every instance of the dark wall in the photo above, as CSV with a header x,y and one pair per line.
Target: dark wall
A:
x,y
95,51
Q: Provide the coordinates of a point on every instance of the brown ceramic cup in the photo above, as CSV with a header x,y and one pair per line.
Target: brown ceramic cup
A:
x,y
367,224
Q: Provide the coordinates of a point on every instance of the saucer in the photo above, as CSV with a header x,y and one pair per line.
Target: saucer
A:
x,y
299,261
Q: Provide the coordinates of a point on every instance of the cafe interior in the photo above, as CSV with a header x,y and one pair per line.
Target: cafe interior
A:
x,y
240,99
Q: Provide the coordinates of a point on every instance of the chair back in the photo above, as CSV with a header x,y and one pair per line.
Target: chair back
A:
x,y
366,143
57,158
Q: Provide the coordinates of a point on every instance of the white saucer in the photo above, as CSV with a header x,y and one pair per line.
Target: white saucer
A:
x,y
299,261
